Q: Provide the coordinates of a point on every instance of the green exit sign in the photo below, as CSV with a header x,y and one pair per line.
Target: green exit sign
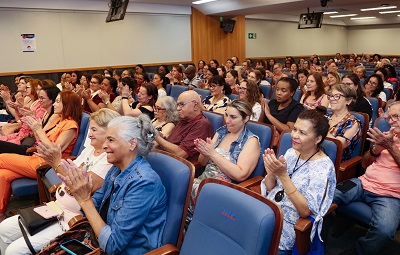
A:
x,y
252,35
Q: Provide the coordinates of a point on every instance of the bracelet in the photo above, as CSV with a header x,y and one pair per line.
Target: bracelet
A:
x,y
124,98
290,193
55,169
372,153
106,103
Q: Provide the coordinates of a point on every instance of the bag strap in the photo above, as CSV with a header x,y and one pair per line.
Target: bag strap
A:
x,y
27,241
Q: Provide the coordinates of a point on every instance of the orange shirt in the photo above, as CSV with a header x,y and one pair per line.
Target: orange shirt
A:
x,y
383,176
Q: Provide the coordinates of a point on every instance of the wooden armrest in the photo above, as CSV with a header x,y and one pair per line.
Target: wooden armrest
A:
x,y
75,220
350,163
163,250
251,182
54,188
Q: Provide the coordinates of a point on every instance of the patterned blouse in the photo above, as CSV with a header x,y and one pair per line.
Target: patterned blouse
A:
x,y
341,127
312,180
313,105
223,103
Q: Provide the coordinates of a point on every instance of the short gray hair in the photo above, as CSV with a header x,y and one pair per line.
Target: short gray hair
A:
x,y
139,128
171,108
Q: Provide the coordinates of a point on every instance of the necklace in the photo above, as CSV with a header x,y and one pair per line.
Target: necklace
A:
x,y
281,194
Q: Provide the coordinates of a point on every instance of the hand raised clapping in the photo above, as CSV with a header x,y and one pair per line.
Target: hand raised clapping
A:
x,y
205,147
273,165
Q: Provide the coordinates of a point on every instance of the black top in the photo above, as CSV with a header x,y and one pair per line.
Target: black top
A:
x,y
362,105
144,110
287,114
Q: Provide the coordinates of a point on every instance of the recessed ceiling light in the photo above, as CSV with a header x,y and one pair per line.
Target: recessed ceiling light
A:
x,y
378,8
387,12
363,18
330,12
203,1
344,15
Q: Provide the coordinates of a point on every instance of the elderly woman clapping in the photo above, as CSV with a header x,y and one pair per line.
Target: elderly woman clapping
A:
x,y
128,212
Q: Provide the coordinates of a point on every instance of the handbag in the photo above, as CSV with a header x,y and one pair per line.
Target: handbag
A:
x,y
82,232
32,221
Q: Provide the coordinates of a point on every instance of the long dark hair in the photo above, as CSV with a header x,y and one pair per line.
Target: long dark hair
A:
x,y
52,93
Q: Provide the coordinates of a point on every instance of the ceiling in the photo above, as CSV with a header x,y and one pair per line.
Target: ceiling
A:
x,y
290,9
284,10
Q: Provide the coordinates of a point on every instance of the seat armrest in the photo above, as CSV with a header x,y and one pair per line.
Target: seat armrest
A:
x,y
164,250
76,220
30,150
251,182
53,189
304,224
344,166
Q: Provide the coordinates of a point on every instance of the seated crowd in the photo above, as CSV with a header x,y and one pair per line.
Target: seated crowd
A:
x,y
132,112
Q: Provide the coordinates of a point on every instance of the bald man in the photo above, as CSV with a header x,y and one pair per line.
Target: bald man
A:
x,y
192,125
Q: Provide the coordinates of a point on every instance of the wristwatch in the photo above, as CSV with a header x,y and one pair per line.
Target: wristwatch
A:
x,y
372,152
106,103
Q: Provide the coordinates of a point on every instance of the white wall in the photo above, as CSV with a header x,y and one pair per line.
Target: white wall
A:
x,y
278,38
67,39
383,39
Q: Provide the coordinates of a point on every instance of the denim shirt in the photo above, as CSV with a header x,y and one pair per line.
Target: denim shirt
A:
x,y
138,209
236,146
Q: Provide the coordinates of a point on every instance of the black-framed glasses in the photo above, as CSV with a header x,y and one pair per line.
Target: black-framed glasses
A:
x,y
394,117
157,108
182,104
279,196
374,84
334,96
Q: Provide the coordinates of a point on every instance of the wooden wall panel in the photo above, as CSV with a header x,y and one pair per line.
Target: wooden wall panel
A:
x,y
210,41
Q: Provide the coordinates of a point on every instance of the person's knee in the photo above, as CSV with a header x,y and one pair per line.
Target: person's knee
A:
x,y
17,247
350,195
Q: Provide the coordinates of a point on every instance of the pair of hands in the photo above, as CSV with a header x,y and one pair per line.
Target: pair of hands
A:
x,y
205,147
33,123
265,106
382,140
274,166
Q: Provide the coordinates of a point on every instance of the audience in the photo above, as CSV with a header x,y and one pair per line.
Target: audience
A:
x,y
94,158
342,124
332,79
249,91
217,101
302,181
315,92
378,187
127,81
137,226
192,125
191,80
147,98
63,132
90,96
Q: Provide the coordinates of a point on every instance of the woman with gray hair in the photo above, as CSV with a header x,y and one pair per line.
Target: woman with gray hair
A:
x,y
342,124
166,115
128,212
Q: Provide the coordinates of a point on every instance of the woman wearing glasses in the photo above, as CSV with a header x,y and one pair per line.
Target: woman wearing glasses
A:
x,y
249,91
361,103
93,158
298,180
374,87
90,96
217,101
165,115
342,124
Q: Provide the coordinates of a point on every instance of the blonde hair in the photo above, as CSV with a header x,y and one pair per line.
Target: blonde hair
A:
x,y
103,116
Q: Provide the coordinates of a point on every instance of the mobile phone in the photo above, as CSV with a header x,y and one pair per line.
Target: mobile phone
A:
x,y
46,212
75,247
345,186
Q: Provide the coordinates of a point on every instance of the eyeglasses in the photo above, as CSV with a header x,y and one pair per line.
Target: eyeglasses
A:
x,y
213,86
395,117
42,98
157,108
334,96
372,83
94,82
182,104
279,196
240,88
347,83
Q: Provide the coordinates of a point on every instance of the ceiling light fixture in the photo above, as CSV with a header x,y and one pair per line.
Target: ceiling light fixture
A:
x,y
344,15
359,18
203,1
378,8
330,12
387,12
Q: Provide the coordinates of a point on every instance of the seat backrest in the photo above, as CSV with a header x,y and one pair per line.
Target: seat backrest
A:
x,y
202,92
375,106
83,131
269,79
266,90
382,124
177,177
233,96
331,147
168,89
216,119
297,95
364,119
229,219
388,93
265,134
177,90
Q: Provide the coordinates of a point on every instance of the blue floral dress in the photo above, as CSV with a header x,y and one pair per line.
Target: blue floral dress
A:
x,y
341,127
312,180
